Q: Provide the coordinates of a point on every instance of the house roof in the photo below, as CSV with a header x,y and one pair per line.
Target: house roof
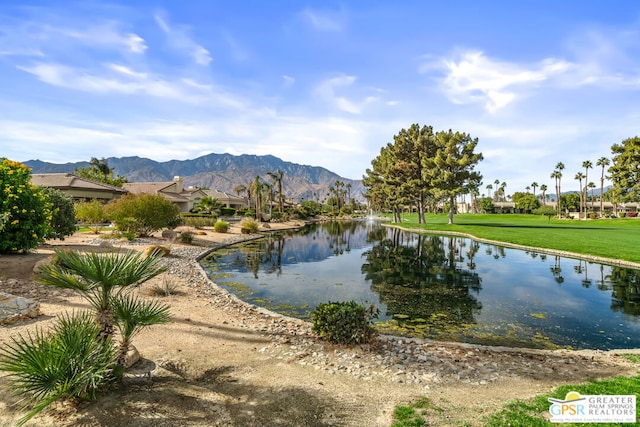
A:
x,y
71,181
221,195
145,187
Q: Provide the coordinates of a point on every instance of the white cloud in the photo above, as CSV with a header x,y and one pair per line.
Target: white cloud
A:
x,y
180,40
473,77
116,78
324,20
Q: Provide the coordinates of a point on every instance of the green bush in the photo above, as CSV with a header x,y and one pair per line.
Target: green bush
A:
x,y
227,211
26,209
91,213
221,226
186,237
345,322
249,226
143,214
63,215
70,362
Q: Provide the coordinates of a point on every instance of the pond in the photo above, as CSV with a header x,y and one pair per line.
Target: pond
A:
x,y
439,287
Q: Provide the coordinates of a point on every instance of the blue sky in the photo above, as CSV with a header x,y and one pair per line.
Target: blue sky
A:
x,y
320,83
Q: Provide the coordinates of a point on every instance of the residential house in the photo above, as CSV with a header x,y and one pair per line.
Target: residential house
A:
x,y
228,200
78,188
174,191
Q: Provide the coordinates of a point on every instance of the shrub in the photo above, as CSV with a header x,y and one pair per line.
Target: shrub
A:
x,y
71,361
622,214
227,211
25,207
249,226
157,250
91,213
198,220
221,226
143,214
186,237
345,322
63,215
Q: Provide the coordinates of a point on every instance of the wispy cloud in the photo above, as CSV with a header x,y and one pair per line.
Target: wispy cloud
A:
x,y
120,79
472,77
327,90
324,20
178,37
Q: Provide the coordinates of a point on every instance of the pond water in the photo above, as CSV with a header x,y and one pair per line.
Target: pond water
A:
x,y
434,286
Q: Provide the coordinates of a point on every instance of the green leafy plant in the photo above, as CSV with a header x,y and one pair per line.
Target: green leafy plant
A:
x,y
345,322
91,213
99,277
25,207
132,315
70,362
186,237
411,415
63,216
221,226
143,213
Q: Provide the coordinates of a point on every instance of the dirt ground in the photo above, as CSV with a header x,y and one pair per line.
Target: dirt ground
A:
x,y
211,368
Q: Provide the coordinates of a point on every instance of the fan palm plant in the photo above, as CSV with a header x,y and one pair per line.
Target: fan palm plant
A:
x,y
99,278
70,362
131,315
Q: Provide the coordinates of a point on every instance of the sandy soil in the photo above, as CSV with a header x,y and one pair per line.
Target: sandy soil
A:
x,y
211,368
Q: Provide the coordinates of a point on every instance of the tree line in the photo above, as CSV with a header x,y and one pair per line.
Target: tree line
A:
x,y
429,170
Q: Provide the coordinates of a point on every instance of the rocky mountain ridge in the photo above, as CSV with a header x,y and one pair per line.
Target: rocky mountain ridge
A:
x,y
221,172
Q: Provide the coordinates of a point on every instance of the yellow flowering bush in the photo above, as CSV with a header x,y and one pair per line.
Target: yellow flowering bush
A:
x,y
25,207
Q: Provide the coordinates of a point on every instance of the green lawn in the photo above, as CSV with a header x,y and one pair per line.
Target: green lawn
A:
x,y
610,238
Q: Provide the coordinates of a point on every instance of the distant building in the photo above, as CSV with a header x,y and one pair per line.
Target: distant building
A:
x,y
79,189
229,200
173,191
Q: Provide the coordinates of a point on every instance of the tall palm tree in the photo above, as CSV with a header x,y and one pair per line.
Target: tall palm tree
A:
x,y
489,188
256,188
99,278
604,162
534,185
579,176
543,188
591,185
559,169
586,165
277,178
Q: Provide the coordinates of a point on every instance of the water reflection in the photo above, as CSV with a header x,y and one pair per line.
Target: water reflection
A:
x,y
440,287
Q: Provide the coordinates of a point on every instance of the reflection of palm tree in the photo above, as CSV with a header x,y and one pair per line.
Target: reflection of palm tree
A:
x,y
556,270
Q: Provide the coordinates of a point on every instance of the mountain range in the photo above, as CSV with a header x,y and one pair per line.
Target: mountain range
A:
x,y
221,172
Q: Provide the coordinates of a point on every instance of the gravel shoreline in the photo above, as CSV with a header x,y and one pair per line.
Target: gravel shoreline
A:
x,y
396,359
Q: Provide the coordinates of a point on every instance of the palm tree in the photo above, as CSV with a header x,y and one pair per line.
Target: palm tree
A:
x,y
102,166
579,177
277,178
586,165
534,185
559,169
208,205
99,278
543,188
489,188
132,315
604,162
591,185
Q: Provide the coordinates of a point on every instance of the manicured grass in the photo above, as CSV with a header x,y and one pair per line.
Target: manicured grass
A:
x,y
609,238
521,413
